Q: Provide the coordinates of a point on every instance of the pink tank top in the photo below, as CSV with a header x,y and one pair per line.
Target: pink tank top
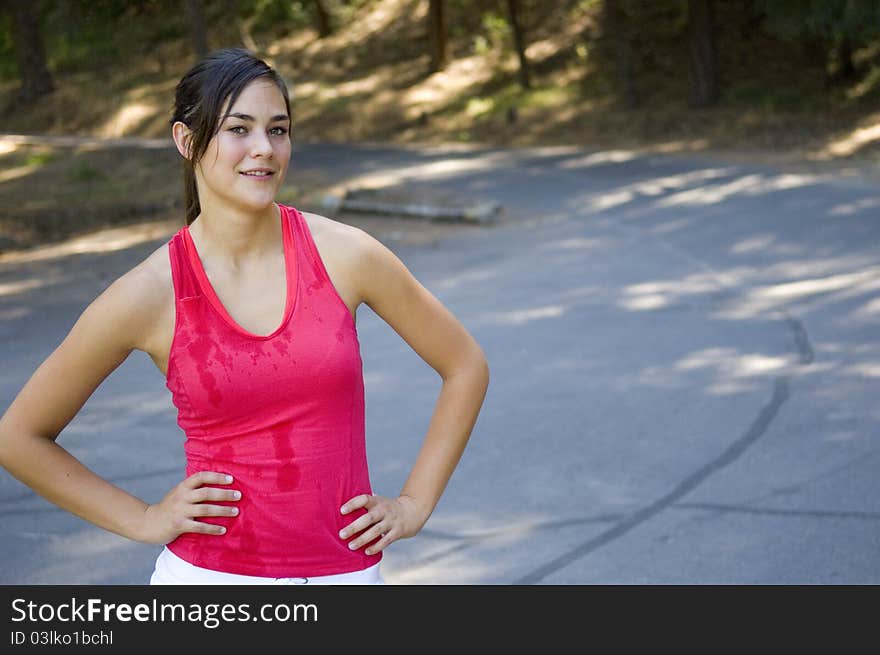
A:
x,y
282,413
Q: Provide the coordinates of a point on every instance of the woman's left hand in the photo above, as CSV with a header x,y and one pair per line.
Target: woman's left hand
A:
x,y
385,520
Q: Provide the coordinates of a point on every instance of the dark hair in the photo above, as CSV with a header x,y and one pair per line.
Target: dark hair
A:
x,y
199,99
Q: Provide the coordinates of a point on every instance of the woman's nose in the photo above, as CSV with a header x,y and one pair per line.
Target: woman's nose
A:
x,y
261,145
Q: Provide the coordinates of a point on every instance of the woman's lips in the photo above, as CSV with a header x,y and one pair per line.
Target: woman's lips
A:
x,y
258,175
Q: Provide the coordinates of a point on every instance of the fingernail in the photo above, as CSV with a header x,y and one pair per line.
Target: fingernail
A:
x,y
342,533
236,494
228,478
235,510
342,510
351,545
222,530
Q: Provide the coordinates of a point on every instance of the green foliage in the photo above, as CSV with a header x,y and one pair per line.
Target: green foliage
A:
x,y
493,35
39,158
8,65
83,35
83,172
277,16
858,20
757,95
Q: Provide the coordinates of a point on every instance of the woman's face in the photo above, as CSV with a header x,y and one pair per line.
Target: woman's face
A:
x,y
247,159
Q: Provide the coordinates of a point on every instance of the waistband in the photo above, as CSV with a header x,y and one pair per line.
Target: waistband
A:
x,y
172,570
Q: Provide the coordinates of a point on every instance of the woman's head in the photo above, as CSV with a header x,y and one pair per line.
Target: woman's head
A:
x,y
204,99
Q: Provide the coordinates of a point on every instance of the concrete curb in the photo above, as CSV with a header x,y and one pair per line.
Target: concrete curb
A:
x,y
479,213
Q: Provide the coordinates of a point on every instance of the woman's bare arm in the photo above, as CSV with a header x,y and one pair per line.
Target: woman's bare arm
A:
x,y
118,321
440,339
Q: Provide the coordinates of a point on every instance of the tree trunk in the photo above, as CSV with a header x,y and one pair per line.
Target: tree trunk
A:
x,y
703,69
846,68
519,42
617,42
35,78
197,30
437,32
325,21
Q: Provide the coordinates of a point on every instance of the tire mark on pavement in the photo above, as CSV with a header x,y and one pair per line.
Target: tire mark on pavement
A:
x,y
771,511
733,452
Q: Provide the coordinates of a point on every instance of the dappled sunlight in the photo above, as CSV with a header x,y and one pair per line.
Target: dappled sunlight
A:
x,y
598,159
814,267
434,92
854,141
7,146
19,171
870,310
466,277
127,119
665,293
755,243
14,313
647,302
560,364
363,85
749,185
455,568
733,371
863,370
374,379
522,316
13,288
453,551
87,543
657,377
109,240
436,170
858,206
734,364
801,288
655,187
765,298
733,294
574,243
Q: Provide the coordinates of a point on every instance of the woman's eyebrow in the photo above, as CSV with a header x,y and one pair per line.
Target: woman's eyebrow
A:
x,y
248,117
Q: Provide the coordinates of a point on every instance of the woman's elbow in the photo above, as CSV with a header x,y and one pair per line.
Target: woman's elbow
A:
x,y
476,367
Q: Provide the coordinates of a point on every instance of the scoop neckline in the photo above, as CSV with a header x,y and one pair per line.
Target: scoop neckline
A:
x,y
290,273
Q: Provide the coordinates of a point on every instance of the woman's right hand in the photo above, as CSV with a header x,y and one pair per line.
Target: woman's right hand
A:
x,y
179,510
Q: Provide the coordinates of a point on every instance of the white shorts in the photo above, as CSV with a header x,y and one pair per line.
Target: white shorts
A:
x,y
170,569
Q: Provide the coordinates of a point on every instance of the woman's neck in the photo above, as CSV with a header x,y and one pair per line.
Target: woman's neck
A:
x,y
236,235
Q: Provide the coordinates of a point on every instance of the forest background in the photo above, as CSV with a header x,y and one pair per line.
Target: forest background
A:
x,y
794,81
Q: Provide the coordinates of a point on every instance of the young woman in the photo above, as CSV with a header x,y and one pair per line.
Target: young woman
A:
x,y
249,311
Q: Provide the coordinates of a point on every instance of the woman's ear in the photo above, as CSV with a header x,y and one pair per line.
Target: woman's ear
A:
x,y
182,138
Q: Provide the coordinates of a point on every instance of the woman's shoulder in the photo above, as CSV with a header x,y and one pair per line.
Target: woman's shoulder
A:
x,y
337,240
143,295
323,227
150,280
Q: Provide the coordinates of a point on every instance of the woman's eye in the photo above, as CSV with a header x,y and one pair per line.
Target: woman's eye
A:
x,y
278,131
238,129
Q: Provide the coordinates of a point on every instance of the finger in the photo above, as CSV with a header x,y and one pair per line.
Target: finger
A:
x,y
213,510
207,477
356,503
204,528
212,493
359,525
369,536
384,541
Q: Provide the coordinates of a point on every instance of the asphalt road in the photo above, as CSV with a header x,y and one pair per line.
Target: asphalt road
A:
x,y
685,361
